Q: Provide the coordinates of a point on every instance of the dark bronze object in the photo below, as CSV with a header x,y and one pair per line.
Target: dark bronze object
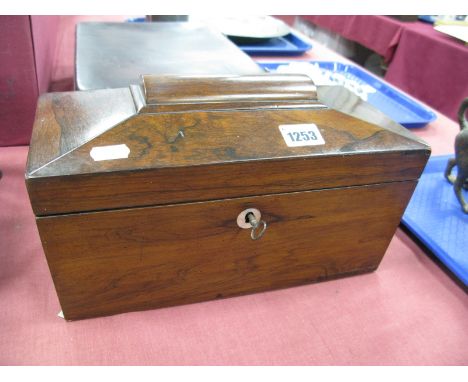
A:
x,y
461,158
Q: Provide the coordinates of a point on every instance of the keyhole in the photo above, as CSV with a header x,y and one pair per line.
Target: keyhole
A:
x,y
247,217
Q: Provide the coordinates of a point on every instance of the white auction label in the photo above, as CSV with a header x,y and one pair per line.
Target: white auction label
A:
x,y
109,152
306,134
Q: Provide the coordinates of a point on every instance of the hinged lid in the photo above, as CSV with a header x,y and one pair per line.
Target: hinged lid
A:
x,y
185,139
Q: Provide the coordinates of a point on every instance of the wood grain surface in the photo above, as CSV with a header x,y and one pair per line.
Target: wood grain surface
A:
x,y
195,156
115,55
177,93
202,183
158,228
117,261
65,121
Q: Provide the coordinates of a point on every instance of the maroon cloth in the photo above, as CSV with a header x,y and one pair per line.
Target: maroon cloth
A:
x,y
27,46
378,33
36,55
45,30
18,81
408,312
427,64
432,67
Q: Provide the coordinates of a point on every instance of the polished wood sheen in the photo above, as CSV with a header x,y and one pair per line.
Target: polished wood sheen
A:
x,y
192,155
176,93
114,55
117,261
159,227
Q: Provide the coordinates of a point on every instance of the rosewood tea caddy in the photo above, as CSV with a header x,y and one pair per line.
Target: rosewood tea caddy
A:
x,y
187,189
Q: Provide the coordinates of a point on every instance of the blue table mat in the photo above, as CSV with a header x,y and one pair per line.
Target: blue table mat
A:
x,y
389,100
434,215
428,18
289,45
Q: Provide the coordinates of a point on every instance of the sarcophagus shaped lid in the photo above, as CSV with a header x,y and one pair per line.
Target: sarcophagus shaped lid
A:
x,y
178,139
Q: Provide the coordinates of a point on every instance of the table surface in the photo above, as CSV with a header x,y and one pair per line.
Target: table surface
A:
x,y
408,312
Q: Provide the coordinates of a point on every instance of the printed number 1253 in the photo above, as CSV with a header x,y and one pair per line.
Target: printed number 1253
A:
x,y
297,135
303,135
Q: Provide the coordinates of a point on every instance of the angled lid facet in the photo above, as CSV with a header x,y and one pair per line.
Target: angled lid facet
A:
x,y
197,128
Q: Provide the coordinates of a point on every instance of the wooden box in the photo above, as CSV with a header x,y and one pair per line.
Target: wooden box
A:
x,y
112,55
145,196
